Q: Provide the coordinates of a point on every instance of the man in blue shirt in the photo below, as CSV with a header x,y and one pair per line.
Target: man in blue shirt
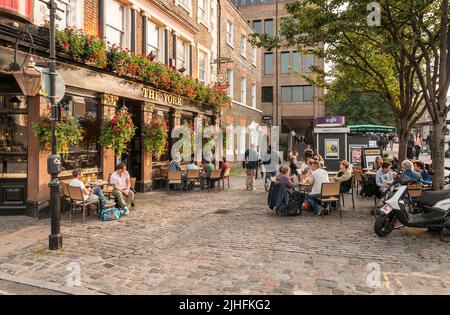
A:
x,y
408,174
419,167
384,177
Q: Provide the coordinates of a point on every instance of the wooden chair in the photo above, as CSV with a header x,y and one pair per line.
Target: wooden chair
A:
x,y
77,201
331,192
350,192
415,190
175,178
226,175
133,184
213,178
108,188
192,177
357,173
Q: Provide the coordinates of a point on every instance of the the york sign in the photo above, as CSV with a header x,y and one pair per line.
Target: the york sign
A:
x,y
160,96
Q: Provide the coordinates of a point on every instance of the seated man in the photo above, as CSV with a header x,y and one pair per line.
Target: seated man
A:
x,y
120,180
284,178
174,165
419,167
408,174
384,178
318,177
192,166
344,176
207,169
89,194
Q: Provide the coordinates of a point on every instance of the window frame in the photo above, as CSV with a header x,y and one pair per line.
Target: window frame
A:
x,y
253,26
205,70
206,20
123,31
187,7
230,79
243,93
284,54
230,34
159,48
291,91
263,100
265,65
265,26
244,46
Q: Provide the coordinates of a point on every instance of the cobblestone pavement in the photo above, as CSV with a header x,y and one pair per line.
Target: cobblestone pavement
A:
x,y
230,243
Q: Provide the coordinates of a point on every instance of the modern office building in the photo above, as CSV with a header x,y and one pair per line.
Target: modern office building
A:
x,y
287,99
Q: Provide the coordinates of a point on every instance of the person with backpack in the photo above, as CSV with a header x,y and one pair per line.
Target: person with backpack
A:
x,y
251,165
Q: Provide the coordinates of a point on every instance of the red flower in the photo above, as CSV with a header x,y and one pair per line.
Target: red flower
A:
x,y
114,121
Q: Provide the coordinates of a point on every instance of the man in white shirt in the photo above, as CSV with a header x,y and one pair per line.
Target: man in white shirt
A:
x,y
120,180
89,194
191,166
318,177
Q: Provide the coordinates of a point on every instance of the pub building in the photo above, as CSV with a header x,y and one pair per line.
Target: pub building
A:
x,y
89,95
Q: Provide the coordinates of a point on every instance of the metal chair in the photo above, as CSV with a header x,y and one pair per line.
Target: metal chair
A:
x,y
192,177
174,178
357,173
350,192
77,201
331,192
213,178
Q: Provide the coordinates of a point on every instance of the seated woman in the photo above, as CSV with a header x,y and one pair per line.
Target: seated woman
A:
x,y
285,179
344,176
378,163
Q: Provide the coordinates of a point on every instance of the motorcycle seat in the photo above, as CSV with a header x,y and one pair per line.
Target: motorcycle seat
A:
x,y
430,198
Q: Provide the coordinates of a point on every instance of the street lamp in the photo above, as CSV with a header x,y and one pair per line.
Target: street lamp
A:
x,y
53,160
29,79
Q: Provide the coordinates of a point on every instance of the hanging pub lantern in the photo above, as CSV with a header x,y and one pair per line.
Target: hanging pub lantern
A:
x,y
28,79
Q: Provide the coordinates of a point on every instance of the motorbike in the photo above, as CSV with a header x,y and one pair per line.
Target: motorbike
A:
x,y
435,214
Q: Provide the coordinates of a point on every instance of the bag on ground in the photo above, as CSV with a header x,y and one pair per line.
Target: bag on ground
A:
x,y
111,214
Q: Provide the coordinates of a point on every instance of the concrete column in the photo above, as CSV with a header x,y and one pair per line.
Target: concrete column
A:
x,y
108,104
38,192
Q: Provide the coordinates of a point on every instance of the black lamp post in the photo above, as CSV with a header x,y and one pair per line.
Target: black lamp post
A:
x,y
53,160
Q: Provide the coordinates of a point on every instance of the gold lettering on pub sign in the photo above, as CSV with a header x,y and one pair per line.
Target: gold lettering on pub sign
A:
x,y
160,96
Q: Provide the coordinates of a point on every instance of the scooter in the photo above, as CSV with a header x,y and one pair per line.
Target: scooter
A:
x,y
394,215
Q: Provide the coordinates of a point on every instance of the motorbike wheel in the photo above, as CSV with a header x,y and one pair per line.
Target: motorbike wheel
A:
x,y
383,225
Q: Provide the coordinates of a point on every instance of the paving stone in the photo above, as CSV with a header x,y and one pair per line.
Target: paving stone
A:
x,y
171,244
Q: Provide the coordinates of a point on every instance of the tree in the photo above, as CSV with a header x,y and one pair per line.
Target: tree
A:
x,y
337,31
359,108
424,25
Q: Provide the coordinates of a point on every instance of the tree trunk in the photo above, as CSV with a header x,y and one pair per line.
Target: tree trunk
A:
x,y
403,135
438,151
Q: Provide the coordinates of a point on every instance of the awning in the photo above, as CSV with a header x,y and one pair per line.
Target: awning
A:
x,y
371,128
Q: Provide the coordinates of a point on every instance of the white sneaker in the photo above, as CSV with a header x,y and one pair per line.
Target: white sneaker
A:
x,y
125,211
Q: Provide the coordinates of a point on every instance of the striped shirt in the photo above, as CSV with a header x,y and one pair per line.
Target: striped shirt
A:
x,y
174,166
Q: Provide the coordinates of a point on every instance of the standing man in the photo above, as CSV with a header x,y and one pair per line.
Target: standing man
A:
x,y
120,180
251,164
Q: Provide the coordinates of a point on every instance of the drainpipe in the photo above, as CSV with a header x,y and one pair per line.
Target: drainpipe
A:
x,y
219,27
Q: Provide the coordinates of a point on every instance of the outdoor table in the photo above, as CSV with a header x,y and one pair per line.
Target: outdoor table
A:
x,y
99,183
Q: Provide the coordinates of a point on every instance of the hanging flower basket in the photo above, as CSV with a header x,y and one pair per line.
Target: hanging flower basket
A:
x,y
154,136
118,132
68,132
